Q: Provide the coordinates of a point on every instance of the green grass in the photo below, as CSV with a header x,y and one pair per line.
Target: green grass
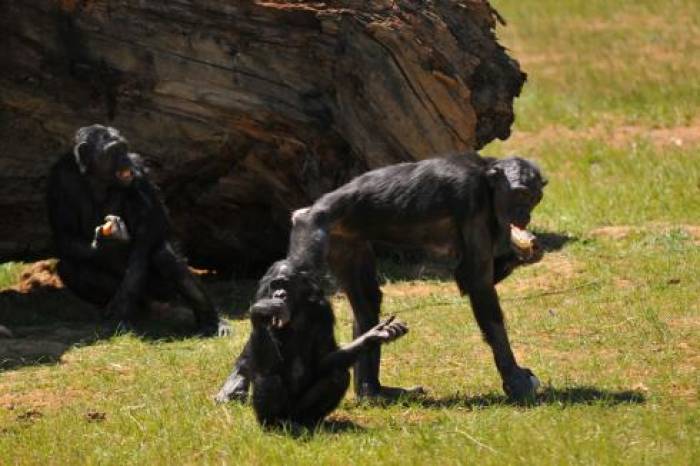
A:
x,y
610,322
9,273
590,61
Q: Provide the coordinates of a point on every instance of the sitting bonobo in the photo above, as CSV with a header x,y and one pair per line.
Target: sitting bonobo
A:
x,y
299,374
113,235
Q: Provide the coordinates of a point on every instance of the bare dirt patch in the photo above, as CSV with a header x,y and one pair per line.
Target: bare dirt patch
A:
x,y
38,275
554,271
41,399
614,232
620,232
619,136
418,289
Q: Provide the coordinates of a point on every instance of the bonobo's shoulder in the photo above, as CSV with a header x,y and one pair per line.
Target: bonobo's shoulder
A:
x,y
65,162
64,167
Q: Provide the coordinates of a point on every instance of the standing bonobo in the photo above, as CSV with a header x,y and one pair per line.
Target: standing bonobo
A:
x,y
299,374
471,208
113,235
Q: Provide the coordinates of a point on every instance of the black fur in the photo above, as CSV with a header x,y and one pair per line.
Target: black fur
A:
x,y
298,372
462,206
99,178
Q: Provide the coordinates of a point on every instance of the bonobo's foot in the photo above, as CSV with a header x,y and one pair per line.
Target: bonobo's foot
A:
x,y
216,329
235,389
521,385
387,395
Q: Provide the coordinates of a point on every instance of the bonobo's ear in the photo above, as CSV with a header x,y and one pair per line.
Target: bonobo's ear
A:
x,y
492,175
79,153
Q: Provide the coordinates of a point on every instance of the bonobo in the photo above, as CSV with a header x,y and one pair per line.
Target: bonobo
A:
x,y
299,374
474,209
113,235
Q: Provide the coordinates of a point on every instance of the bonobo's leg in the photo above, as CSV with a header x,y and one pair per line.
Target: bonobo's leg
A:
x,y
321,399
90,283
172,267
270,400
353,264
474,277
237,384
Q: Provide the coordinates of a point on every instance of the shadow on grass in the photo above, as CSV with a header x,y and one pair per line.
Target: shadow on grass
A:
x,y
47,321
329,426
570,396
398,263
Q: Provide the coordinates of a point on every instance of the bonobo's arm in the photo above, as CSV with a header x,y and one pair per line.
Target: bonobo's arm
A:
x,y
65,195
385,332
475,277
265,355
149,229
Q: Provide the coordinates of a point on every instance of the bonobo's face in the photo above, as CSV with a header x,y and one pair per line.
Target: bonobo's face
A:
x,y
517,188
102,153
283,281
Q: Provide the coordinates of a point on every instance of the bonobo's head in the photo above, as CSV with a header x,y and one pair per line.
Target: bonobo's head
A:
x,y
286,285
103,154
517,188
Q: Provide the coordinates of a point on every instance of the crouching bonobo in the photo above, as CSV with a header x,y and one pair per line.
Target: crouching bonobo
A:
x,y
298,372
112,232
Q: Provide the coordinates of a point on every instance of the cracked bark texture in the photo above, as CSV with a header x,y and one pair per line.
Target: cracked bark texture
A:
x,y
245,110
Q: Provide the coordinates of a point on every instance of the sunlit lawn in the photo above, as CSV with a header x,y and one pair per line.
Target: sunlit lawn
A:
x,y
609,321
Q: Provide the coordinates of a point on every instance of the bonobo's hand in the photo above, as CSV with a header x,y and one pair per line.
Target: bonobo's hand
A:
x,y
270,312
521,385
114,228
534,255
387,331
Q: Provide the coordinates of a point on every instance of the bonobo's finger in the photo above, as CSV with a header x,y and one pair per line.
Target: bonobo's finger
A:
x,y
399,330
401,325
386,322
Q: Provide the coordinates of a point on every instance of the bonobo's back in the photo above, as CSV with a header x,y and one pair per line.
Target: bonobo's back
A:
x,y
406,191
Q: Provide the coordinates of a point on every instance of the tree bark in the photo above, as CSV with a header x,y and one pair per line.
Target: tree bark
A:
x,y
245,110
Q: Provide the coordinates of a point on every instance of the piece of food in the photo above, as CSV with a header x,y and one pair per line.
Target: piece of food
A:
x,y
523,240
125,174
107,228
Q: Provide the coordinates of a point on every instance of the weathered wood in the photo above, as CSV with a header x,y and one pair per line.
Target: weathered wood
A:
x,y
245,109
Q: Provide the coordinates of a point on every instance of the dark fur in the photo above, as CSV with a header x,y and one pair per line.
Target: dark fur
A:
x,y
122,275
298,372
461,206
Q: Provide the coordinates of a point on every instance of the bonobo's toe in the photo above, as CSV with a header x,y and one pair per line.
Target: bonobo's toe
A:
x,y
521,385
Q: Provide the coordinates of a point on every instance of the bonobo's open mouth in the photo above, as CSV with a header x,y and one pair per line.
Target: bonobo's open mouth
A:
x,y
125,175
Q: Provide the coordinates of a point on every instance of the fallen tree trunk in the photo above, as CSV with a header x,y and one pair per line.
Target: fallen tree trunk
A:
x,y
244,109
